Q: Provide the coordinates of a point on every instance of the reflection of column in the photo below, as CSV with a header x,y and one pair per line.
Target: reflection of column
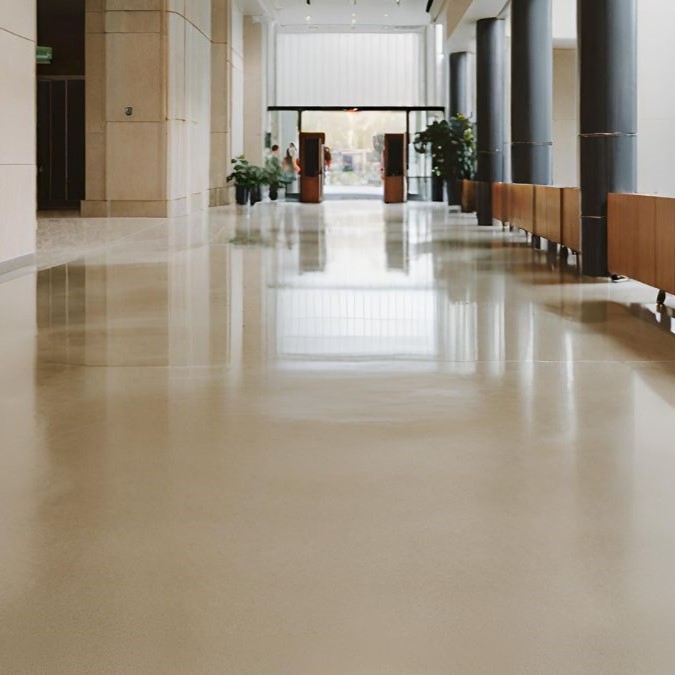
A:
x,y
490,112
253,309
459,84
396,245
608,119
531,91
313,248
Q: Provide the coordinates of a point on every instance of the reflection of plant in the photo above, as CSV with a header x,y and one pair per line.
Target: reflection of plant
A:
x,y
274,175
244,174
452,145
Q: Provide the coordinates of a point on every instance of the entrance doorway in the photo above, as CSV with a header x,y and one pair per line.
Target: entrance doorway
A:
x,y
60,104
355,139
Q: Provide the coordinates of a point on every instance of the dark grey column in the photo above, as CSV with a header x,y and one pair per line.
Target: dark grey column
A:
x,y
489,112
531,91
459,84
608,117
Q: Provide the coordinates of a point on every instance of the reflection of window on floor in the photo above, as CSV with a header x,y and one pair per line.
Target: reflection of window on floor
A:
x,y
355,322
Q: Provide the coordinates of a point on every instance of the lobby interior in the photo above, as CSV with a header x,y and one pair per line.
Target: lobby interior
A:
x,y
348,437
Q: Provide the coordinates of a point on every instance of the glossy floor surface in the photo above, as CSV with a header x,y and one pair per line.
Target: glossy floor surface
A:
x,y
338,440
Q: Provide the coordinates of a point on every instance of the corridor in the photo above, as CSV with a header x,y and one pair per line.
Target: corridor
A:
x,y
346,439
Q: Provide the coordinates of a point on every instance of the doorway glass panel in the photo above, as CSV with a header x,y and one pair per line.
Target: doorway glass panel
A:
x,y
419,165
355,140
285,133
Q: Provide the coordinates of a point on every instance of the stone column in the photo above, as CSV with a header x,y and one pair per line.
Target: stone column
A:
x,y
531,91
148,73
221,45
608,117
255,88
459,85
490,112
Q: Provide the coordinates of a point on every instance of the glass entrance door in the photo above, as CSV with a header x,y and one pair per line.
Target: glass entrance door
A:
x,y
354,142
419,165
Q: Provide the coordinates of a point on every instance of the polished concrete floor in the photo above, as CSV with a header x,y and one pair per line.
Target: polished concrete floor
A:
x,y
338,440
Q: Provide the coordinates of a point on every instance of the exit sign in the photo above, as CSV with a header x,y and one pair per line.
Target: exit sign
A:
x,y
43,54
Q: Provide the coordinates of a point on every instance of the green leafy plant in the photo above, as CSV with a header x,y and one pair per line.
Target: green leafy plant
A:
x,y
274,175
244,174
452,144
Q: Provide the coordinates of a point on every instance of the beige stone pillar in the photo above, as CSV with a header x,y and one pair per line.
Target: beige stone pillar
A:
x,y
255,88
17,134
221,64
148,111
95,109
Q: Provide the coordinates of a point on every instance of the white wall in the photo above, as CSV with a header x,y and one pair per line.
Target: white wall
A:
x,y
565,118
564,22
656,97
361,69
17,130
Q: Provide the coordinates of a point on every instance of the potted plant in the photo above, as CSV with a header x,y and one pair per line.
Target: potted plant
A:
x,y
257,180
244,178
453,151
274,176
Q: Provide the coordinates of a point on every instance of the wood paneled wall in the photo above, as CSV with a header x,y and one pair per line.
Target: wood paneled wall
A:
x,y
521,199
546,211
469,191
641,239
571,218
501,209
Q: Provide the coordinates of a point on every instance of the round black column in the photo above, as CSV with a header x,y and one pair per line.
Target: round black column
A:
x,y
608,117
459,84
531,91
489,112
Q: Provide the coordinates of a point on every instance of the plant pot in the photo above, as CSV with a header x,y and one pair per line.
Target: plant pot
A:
x,y
274,192
437,188
256,195
454,191
241,195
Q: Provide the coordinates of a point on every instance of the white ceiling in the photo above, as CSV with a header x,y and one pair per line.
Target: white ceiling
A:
x,y
333,13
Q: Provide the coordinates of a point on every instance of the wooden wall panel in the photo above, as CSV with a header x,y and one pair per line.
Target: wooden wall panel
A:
x,y
571,219
522,206
621,212
553,214
500,202
645,237
547,211
497,213
469,189
665,244
515,205
539,225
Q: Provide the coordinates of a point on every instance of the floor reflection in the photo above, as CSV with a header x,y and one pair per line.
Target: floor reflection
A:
x,y
321,426
342,282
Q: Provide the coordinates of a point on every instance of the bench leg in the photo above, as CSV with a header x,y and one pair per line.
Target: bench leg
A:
x,y
661,298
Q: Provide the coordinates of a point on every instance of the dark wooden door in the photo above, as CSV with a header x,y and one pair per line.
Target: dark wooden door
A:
x,y
311,167
60,143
